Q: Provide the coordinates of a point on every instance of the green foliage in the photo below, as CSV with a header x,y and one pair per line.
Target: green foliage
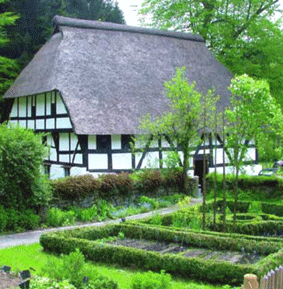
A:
x,y
245,36
183,123
75,187
87,239
73,268
47,283
150,280
21,157
13,220
56,217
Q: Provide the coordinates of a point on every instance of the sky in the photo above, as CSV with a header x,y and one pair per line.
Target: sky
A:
x,y
130,9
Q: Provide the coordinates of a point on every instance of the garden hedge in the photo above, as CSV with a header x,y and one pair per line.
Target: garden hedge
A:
x,y
87,240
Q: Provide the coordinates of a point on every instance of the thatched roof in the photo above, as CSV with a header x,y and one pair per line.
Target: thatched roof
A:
x,y
110,75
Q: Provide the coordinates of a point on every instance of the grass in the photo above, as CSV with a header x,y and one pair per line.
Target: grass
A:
x,y
25,256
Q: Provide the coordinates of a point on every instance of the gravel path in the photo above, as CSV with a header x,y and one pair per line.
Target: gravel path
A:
x,y
33,236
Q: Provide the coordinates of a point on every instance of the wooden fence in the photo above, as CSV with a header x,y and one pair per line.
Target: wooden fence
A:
x,y
272,280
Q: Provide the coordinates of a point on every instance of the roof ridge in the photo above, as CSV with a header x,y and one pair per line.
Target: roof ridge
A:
x,y
92,24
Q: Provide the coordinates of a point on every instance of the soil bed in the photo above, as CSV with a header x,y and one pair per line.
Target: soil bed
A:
x,y
9,280
189,252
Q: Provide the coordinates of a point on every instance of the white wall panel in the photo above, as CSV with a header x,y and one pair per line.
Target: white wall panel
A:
x,y
164,143
60,106
74,141
150,160
22,107
64,158
56,172
48,103
13,122
78,159
40,124
23,123
92,142
77,171
50,123
63,123
154,143
53,154
250,155
116,142
40,105
14,111
29,106
122,161
31,124
64,142
98,161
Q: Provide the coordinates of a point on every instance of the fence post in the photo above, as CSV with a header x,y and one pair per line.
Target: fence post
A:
x,y
250,282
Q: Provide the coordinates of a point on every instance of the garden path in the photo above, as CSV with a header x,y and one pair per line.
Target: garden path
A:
x,y
33,236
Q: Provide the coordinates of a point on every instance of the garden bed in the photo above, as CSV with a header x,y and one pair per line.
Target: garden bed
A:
x,y
199,255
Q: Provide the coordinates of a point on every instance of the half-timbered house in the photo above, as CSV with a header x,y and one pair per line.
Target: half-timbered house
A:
x,y
91,83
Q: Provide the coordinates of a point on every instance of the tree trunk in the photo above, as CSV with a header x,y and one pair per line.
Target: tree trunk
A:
x,y
224,176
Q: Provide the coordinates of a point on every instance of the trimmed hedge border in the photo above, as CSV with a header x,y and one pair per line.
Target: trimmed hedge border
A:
x,y
198,269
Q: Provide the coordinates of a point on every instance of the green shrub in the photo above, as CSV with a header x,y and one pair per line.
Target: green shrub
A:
x,y
3,219
274,209
56,217
148,180
75,187
21,157
47,283
86,215
73,268
29,220
150,280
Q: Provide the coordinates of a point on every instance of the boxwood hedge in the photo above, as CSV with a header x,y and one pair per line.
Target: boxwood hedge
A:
x,y
87,240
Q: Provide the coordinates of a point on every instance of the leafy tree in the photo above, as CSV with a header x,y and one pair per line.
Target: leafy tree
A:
x,y
21,156
8,67
182,124
252,113
243,35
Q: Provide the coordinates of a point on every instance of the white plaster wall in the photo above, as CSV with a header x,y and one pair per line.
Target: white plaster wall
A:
x,y
31,124
57,172
79,159
63,122
252,170
98,161
92,142
74,141
116,142
29,105
154,143
53,154
64,158
64,141
22,123
48,103
60,107
14,111
77,171
50,123
22,107
40,124
122,161
251,154
150,160
164,143
40,105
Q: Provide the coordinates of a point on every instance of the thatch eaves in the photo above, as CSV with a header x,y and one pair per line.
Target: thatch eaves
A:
x,y
110,75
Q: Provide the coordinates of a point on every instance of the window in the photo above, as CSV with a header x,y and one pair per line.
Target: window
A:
x,y
103,142
67,171
126,141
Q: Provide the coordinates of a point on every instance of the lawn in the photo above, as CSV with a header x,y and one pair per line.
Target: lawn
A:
x,y
24,257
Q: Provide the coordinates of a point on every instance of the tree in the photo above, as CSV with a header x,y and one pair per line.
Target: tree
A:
x,y
22,185
252,114
241,34
182,124
8,67
33,26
